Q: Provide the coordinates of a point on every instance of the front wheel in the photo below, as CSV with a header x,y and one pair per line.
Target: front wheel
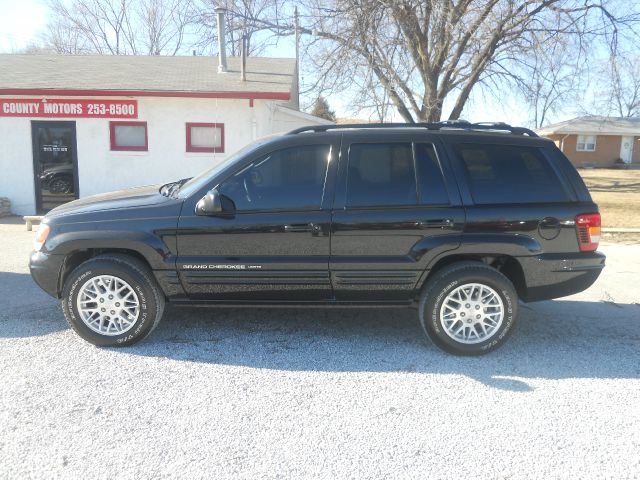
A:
x,y
112,300
468,308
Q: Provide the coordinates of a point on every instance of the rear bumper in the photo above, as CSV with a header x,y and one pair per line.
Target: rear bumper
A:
x,y
45,271
550,276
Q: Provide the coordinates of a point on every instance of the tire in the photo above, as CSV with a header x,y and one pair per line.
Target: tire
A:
x,y
101,276
442,315
61,184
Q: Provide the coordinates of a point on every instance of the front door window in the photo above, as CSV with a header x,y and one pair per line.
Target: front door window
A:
x,y
288,179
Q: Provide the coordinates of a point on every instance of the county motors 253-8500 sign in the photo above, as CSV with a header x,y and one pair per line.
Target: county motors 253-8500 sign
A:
x,y
68,108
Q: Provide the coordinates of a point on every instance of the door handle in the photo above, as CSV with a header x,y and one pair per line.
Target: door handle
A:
x,y
302,227
439,223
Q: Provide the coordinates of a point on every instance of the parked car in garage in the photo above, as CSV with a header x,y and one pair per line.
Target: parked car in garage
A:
x,y
58,179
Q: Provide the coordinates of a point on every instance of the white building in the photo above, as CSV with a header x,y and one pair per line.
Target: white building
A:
x,y
72,126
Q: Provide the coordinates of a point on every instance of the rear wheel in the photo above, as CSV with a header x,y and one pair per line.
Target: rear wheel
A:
x,y
468,309
112,300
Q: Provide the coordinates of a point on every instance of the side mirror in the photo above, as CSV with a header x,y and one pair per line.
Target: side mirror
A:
x,y
215,204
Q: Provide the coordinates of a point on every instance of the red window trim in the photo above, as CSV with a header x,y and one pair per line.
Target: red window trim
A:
x,y
191,148
112,137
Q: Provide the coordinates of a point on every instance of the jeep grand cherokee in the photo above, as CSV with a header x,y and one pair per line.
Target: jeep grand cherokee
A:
x,y
459,221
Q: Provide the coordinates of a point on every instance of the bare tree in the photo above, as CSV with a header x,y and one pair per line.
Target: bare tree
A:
x,y
165,22
426,52
119,27
622,86
370,99
420,56
63,37
239,18
550,76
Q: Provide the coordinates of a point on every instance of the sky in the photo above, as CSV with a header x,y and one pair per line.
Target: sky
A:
x,y
22,21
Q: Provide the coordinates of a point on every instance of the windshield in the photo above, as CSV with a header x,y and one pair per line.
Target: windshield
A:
x,y
200,181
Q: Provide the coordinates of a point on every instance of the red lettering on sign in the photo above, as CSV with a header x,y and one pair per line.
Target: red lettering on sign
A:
x,y
68,108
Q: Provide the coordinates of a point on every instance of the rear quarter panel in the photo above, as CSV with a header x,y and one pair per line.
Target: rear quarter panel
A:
x,y
540,236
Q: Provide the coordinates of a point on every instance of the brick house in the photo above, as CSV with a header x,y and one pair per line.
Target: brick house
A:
x,y
597,141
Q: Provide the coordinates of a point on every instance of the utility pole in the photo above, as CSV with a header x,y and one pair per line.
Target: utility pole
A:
x,y
296,30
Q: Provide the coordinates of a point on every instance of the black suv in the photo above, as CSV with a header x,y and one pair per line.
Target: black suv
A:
x,y
458,220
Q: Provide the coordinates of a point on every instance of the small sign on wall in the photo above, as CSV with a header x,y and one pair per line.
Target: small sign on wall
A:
x,y
68,108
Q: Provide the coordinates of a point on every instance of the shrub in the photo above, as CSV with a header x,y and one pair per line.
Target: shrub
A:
x,y
620,163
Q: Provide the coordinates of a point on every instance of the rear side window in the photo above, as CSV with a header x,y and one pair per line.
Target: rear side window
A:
x,y
510,174
381,174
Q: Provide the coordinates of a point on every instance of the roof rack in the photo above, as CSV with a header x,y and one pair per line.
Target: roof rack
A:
x,y
447,124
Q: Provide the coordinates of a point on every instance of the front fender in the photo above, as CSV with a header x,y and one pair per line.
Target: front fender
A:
x,y
157,245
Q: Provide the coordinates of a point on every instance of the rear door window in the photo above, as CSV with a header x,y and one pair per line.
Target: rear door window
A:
x,y
500,174
381,174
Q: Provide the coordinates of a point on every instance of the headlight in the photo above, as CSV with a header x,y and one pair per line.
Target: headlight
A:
x,y
41,236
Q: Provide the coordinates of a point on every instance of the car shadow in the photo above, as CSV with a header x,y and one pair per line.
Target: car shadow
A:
x,y
554,340
26,310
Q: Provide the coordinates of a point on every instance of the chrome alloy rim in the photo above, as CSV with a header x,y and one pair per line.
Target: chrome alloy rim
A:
x,y
472,313
108,305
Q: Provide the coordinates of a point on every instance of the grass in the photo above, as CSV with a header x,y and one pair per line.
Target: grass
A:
x,y
617,193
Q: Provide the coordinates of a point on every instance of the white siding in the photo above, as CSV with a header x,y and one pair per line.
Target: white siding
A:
x,y
16,164
101,170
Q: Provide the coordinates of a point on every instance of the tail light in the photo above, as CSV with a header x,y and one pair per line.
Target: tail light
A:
x,y
588,231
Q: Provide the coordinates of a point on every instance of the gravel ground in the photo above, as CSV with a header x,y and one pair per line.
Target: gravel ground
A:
x,y
320,393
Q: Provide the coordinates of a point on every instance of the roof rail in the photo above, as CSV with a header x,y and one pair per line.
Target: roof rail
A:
x,y
446,124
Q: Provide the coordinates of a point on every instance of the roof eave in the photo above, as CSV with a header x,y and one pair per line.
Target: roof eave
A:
x,y
146,93
303,115
588,132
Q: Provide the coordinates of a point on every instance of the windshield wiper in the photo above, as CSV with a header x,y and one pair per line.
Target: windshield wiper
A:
x,y
164,189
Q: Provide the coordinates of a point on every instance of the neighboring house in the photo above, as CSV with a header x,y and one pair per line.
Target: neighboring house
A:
x,y
597,141
72,126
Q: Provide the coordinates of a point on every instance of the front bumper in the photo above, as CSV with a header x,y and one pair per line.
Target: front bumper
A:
x,y
556,275
45,270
